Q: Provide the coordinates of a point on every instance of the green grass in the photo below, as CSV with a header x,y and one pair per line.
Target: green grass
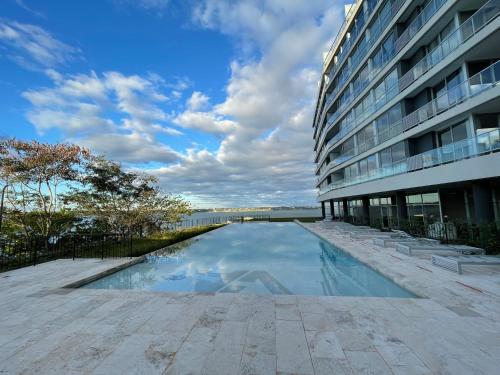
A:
x,y
141,246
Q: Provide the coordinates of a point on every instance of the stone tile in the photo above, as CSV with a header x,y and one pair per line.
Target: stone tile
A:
x,y
190,359
398,354
138,355
324,344
317,322
258,364
287,312
352,339
330,366
261,334
291,348
367,363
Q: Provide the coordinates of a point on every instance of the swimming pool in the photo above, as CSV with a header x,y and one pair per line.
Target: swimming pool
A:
x,y
261,258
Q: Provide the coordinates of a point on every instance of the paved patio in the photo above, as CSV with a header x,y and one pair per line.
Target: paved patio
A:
x,y
47,329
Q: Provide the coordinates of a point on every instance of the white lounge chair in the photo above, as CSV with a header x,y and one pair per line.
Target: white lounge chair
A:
x,y
455,263
422,247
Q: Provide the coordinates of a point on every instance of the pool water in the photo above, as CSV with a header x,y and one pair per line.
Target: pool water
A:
x,y
260,258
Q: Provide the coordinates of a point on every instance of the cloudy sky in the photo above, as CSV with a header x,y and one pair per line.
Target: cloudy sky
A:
x,y
214,97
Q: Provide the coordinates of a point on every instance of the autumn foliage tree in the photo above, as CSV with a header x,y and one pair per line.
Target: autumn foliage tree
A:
x,y
35,173
125,201
54,189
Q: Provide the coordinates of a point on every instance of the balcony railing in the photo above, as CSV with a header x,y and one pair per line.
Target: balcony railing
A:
x,y
359,54
467,29
423,17
375,33
472,147
485,79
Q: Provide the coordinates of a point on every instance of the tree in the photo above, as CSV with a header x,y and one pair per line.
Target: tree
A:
x,y
125,201
36,172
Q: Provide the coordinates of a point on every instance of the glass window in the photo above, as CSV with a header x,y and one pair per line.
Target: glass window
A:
x,y
382,124
398,151
380,92
385,157
459,132
445,137
430,198
413,199
448,29
372,163
391,79
395,114
363,167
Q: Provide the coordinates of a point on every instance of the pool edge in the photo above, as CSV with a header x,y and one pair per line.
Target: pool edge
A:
x,y
376,269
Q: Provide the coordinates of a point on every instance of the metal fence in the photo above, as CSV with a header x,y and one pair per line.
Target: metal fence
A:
x,y
190,223
21,252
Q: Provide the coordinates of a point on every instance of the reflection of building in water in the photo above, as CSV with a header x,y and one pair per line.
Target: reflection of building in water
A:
x,y
343,275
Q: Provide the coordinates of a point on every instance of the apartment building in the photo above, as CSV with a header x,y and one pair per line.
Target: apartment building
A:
x,y
407,119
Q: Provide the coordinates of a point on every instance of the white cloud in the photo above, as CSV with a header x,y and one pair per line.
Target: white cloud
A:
x,y
265,155
197,101
113,114
32,47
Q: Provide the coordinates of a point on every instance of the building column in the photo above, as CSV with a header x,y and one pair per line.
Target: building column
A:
x,y
346,210
323,213
332,211
366,210
402,210
483,204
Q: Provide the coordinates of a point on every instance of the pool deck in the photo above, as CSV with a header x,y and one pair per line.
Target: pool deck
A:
x,y
47,329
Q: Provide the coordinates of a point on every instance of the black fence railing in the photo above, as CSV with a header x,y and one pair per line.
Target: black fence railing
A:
x,y
21,252
190,223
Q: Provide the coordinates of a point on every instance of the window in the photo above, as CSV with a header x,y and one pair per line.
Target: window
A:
x,y
395,114
372,163
453,134
398,152
385,157
447,30
391,82
423,208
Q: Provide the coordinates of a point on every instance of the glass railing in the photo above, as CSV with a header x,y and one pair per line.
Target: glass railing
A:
x,y
465,31
460,92
480,144
361,50
422,18
476,84
343,157
375,33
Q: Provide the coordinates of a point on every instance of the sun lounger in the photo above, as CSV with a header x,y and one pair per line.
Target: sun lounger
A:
x,y
455,263
434,248
370,235
392,241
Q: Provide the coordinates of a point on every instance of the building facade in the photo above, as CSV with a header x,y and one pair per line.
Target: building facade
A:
x,y
407,120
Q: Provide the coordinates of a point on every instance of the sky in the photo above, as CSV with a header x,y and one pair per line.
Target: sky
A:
x,y
213,97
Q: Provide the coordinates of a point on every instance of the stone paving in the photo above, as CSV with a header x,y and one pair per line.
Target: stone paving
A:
x,y
47,329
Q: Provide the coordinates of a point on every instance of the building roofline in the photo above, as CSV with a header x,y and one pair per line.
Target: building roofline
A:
x,y
349,18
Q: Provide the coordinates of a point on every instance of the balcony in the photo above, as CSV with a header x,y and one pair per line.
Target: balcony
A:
x,y
476,146
375,33
486,14
357,57
413,28
470,27
478,83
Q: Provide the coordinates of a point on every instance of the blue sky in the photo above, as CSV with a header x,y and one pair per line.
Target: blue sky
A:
x,y
214,97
